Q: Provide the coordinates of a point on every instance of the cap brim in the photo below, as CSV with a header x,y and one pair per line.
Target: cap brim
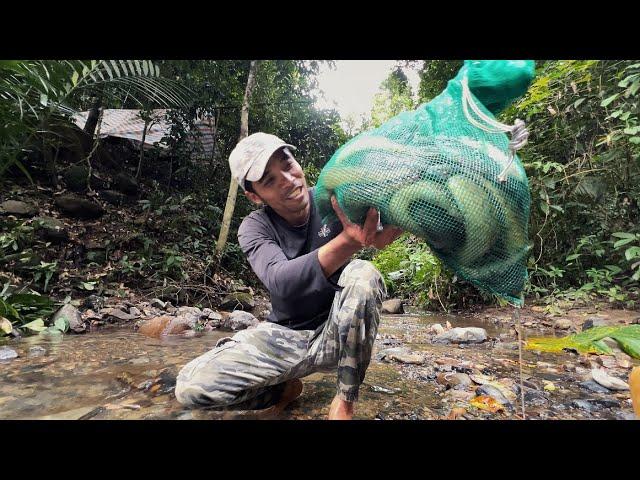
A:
x,y
257,169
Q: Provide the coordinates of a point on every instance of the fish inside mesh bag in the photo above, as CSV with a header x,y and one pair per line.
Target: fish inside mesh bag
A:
x,y
436,172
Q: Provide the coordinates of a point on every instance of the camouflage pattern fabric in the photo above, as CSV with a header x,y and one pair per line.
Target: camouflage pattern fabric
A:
x,y
248,370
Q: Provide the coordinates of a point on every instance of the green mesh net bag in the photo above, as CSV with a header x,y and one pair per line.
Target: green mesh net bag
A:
x,y
447,172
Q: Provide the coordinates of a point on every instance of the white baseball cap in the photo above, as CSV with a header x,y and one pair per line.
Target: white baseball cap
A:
x,y
250,156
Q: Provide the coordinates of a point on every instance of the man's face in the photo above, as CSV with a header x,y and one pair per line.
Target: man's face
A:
x,y
282,186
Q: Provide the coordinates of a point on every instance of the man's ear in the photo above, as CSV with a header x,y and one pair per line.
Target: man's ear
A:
x,y
253,198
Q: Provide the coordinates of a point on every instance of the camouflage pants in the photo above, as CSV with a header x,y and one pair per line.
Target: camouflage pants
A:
x,y
248,370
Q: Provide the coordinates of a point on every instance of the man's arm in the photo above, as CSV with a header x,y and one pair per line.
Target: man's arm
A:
x,y
282,276
352,239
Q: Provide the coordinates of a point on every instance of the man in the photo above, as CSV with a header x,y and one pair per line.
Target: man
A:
x,y
325,309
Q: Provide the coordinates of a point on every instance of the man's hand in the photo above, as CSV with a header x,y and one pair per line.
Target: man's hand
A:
x,y
367,235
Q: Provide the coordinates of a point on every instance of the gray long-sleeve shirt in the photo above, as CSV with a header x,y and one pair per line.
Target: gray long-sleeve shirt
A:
x,y
285,259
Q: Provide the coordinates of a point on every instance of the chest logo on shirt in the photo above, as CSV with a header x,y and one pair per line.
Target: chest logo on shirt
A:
x,y
324,231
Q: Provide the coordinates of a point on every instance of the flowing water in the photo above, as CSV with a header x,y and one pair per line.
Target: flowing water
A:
x,y
121,374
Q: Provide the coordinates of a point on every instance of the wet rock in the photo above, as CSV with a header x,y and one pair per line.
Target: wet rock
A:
x,y
238,301
457,381
78,207
125,183
384,354
156,302
409,358
591,322
594,387
591,404
563,324
115,314
534,397
239,320
15,207
458,395
74,414
37,351
72,314
393,306
214,319
625,416
135,312
7,353
154,327
462,335
582,405
390,342
93,302
192,313
51,229
436,328
165,325
495,393
606,380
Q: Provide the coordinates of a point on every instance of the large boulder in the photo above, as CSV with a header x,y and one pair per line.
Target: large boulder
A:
x,y
78,207
166,325
115,198
125,183
239,320
393,306
51,229
15,207
462,335
238,301
73,316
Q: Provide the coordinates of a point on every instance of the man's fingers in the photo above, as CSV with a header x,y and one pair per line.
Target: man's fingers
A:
x,y
336,207
370,226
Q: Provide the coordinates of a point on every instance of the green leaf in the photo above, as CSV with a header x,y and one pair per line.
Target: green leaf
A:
x,y
44,99
622,242
632,130
115,67
36,325
62,324
578,102
635,140
7,310
544,206
31,300
573,257
631,253
624,235
145,67
74,78
5,325
608,100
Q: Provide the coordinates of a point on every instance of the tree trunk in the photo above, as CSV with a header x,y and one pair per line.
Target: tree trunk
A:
x,y
144,137
216,119
92,118
233,186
